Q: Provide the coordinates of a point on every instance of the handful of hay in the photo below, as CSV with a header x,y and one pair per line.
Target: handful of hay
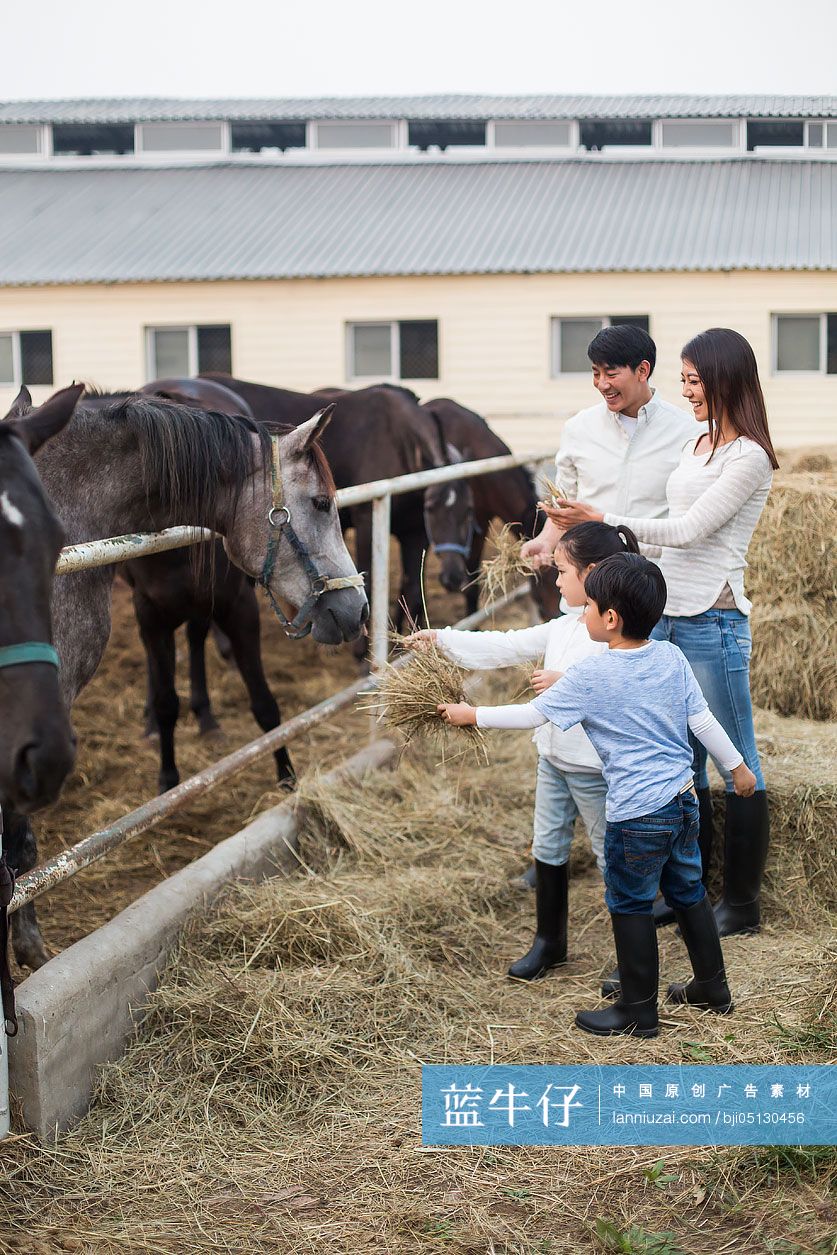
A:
x,y
500,574
410,691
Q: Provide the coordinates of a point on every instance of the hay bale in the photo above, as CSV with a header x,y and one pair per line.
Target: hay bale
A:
x,y
817,462
792,554
793,669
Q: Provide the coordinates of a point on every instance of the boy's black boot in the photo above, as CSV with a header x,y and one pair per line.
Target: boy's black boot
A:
x,y
662,912
635,1011
709,989
746,838
549,949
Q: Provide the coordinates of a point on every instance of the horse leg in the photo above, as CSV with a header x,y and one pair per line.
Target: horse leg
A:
x,y
240,622
158,639
413,545
22,855
197,630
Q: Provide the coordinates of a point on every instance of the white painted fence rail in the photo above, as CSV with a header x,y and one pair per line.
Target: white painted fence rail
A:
x,y
119,548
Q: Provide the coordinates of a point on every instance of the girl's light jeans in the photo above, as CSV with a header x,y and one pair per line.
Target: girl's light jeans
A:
x,y
561,796
717,644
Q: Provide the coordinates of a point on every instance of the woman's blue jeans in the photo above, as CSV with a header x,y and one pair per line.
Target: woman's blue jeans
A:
x,y
717,645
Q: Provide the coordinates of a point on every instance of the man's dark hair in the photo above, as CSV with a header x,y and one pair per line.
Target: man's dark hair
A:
x,y
633,587
623,345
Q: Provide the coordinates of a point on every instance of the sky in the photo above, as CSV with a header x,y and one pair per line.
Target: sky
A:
x,y
387,47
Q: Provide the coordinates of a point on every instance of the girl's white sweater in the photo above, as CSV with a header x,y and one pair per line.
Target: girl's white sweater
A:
x,y
561,642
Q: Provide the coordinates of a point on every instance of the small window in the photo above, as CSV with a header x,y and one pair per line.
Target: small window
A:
x,y
88,140
532,134
393,350
615,133
815,134
571,336
446,133
181,137
179,352
255,137
805,342
698,133
775,133
26,357
18,141
355,134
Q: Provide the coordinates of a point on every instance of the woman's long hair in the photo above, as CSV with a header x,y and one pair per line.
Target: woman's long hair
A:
x,y
730,376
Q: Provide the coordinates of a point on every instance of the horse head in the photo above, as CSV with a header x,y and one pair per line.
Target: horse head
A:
x,y
450,525
37,748
286,533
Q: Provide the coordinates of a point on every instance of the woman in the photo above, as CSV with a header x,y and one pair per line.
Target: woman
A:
x,y
715,497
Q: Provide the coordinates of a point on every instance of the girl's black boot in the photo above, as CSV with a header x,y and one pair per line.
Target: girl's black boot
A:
x,y
549,949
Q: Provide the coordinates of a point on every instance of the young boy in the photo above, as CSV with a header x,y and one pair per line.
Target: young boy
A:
x,y
637,703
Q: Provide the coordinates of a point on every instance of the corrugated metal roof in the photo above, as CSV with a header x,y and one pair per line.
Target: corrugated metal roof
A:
x,y
254,222
443,106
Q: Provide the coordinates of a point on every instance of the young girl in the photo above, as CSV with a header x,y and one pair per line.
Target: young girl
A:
x,y
715,498
569,780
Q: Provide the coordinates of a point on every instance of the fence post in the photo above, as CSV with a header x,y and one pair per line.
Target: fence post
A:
x,y
381,511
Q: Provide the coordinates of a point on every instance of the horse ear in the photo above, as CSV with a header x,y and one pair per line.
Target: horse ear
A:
x,y
21,405
313,428
48,419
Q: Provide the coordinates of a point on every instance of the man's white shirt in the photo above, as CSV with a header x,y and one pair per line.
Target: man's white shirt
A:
x,y
603,465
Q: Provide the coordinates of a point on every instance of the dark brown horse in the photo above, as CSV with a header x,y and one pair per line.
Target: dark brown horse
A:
x,y
381,433
37,746
508,495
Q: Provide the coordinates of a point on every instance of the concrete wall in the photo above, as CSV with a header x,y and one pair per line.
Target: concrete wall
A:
x,y
494,334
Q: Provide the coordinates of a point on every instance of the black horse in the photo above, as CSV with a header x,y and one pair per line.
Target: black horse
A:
x,y
37,746
508,495
380,433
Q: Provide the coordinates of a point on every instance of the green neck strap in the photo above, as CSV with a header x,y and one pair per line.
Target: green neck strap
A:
x,y
29,651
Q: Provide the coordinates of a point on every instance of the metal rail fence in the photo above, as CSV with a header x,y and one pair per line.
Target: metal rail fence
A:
x,y
119,548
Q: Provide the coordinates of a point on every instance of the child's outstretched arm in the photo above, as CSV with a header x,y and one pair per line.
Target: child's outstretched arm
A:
x,y
461,715
483,651
713,737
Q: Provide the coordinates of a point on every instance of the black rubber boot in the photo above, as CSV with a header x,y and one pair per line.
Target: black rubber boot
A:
x,y
611,985
662,912
527,879
746,838
549,949
635,1011
709,989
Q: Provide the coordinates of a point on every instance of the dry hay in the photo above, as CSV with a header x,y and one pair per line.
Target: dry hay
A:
x,y
407,697
793,553
793,669
272,1099
501,574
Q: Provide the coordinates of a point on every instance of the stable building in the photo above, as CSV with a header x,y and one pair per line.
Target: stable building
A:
x,y
466,246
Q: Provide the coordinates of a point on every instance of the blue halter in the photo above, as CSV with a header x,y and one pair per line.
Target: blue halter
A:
x,y
28,651
450,546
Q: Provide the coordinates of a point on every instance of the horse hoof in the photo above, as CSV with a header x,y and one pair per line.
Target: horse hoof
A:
x,y
211,728
165,782
30,952
152,735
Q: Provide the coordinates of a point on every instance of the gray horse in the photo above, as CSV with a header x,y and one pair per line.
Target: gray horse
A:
x,y
142,464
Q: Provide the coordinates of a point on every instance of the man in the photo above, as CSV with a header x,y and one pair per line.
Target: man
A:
x,y
617,456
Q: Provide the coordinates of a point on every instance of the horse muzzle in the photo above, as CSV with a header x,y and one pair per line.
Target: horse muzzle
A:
x,y
339,616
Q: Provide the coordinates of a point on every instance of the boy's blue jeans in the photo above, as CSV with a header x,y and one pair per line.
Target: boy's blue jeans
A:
x,y
654,852
717,645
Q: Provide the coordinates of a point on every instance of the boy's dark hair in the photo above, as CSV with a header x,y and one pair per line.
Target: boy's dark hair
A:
x,y
623,345
593,542
633,587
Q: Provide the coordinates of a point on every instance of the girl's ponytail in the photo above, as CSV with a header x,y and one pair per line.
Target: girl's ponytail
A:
x,y
589,543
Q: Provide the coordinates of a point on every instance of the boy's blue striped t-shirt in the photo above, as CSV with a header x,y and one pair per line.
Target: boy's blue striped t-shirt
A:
x,y
634,705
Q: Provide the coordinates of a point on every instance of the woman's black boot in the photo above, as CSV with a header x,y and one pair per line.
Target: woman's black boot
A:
x,y
662,912
549,949
635,1011
746,838
709,989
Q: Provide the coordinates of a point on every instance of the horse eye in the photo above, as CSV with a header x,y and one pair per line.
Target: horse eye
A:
x,y
323,504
